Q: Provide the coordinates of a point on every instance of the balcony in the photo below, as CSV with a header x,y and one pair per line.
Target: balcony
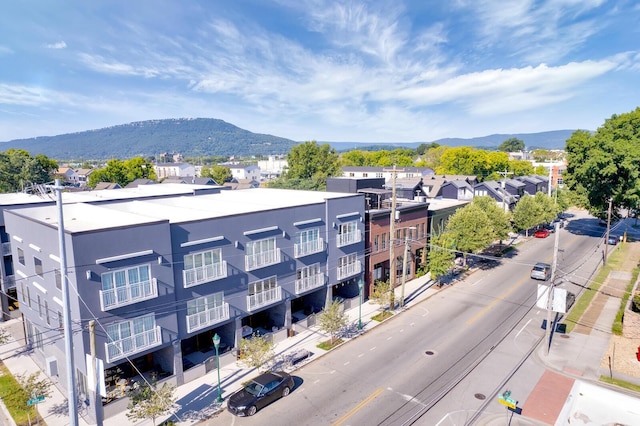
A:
x,y
204,274
260,260
348,238
131,345
308,283
309,247
8,282
349,270
6,249
207,318
122,296
264,298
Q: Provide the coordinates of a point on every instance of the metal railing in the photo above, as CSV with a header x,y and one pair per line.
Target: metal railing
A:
x,y
210,316
264,298
307,283
122,296
309,247
204,274
349,238
349,270
260,260
136,343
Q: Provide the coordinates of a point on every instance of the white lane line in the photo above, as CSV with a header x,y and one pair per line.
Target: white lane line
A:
x,y
390,337
347,363
317,381
360,356
373,348
412,324
522,329
477,282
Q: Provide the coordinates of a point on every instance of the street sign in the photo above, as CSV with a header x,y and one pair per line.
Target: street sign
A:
x,y
506,401
35,400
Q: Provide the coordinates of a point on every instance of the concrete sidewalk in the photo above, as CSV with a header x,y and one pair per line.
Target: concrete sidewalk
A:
x,y
197,398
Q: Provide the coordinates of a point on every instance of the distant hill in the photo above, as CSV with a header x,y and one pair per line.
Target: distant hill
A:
x,y
555,139
193,137
204,137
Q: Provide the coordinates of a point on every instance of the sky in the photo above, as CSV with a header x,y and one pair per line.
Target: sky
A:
x,y
350,71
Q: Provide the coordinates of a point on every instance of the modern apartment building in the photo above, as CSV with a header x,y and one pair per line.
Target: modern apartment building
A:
x,y
162,275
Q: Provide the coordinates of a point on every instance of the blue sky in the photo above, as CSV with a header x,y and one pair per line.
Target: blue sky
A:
x,y
372,71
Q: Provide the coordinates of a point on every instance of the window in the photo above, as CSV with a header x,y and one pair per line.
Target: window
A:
x,y
126,286
60,320
46,312
128,337
375,243
309,277
308,242
348,233
21,256
365,174
206,310
379,175
28,296
38,265
23,293
39,306
384,241
263,292
58,279
261,253
203,267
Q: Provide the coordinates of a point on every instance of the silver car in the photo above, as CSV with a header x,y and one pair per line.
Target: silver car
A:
x,y
541,271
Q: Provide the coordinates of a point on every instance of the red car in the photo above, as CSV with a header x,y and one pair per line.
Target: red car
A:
x,y
542,233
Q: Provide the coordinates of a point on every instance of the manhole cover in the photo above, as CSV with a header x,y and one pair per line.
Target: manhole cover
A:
x,y
480,396
564,336
430,352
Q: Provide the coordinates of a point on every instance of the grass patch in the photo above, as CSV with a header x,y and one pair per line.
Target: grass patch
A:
x,y
327,345
616,328
14,398
382,316
620,383
614,262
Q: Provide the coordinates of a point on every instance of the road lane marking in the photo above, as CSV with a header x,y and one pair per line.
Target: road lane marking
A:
x,y
390,337
373,348
360,356
522,329
477,282
412,324
358,407
495,301
347,363
317,381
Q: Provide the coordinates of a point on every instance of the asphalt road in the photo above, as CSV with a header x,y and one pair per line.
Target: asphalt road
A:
x,y
445,360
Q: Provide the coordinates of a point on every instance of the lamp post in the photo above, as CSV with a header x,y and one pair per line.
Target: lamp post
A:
x,y
360,286
216,344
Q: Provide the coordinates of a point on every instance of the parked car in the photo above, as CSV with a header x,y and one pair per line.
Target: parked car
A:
x,y
542,233
613,240
549,227
260,392
541,271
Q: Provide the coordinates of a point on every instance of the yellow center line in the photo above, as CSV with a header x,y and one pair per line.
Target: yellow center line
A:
x,y
357,408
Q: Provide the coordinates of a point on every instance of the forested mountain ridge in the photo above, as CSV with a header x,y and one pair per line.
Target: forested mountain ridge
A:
x,y
204,137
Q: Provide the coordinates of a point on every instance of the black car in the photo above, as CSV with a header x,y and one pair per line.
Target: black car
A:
x,y
260,392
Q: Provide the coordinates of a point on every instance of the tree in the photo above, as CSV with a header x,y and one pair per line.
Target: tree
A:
x,y
151,402
511,145
526,214
424,147
220,174
441,256
548,209
606,165
381,293
32,386
256,351
4,336
470,229
18,169
312,162
332,320
471,161
138,168
122,172
500,219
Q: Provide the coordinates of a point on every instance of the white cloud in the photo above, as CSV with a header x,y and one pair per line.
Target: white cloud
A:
x,y
5,50
57,45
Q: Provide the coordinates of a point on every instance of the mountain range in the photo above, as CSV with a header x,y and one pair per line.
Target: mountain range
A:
x,y
205,137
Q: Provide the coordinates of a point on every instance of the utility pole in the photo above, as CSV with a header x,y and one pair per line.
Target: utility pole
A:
x,y
404,268
504,184
550,177
392,255
606,238
95,392
550,289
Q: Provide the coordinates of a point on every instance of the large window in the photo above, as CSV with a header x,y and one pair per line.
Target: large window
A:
x,y
203,267
308,242
207,310
263,292
348,266
128,337
348,233
126,286
21,256
309,277
261,253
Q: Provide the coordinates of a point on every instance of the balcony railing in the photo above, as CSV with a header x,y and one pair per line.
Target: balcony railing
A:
x,y
136,343
264,298
349,270
349,238
6,249
8,282
122,296
307,283
260,260
204,274
309,247
210,316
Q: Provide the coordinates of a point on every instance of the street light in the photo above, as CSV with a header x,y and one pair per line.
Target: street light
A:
x,y
216,344
360,287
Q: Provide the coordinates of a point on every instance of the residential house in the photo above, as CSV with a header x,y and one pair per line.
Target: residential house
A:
x,y
385,172
496,191
246,171
534,184
83,176
68,175
165,170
